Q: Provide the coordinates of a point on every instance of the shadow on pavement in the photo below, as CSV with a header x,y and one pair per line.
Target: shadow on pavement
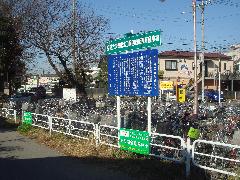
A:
x,y
7,125
10,148
70,168
86,168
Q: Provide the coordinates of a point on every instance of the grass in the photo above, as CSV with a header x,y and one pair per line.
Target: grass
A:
x,y
24,128
235,178
135,165
74,146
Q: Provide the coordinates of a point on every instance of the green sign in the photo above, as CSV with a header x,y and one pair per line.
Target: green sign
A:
x,y
193,133
134,140
134,42
27,118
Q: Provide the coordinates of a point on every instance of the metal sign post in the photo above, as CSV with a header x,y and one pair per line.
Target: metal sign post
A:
x,y
149,112
133,74
118,112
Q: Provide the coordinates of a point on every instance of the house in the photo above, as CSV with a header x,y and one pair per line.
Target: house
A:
x,y
178,66
48,80
34,80
93,71
234,52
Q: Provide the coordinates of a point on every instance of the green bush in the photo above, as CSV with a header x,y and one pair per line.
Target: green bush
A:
x,y
24,128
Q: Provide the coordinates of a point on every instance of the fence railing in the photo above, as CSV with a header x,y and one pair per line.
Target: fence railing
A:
x,y
214,156
80,129
9,113
40,120
108,135
231,94
167,147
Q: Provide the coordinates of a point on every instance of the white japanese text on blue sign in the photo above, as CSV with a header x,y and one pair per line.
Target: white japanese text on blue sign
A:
x,y
133,73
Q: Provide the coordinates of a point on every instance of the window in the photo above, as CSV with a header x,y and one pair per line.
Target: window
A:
x,y
193,65
225,66
171,65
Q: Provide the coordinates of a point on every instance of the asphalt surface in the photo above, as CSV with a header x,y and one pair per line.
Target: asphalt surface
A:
x,y
23,159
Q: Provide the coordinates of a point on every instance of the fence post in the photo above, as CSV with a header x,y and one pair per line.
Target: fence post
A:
x,y
7,113
22,116
50,125
97,131
188,158
15,115
69,126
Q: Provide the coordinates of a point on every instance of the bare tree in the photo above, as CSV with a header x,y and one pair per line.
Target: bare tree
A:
x,y
48,28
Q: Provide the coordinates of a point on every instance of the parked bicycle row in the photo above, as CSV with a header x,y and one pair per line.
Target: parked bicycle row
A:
x,y
213,156
214,122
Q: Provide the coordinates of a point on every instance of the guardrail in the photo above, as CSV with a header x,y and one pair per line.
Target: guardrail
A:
x,y
75,128
108,135
80,129
167,147
40,120
3,112
213,156
9,113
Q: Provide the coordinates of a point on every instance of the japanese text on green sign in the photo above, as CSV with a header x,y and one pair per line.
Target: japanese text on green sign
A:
x,y
134,42
134,140
27,118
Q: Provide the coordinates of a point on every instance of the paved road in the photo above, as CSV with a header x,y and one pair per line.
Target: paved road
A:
x,y
23,159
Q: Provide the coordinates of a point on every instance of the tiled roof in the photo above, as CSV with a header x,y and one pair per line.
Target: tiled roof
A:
x,y
188,54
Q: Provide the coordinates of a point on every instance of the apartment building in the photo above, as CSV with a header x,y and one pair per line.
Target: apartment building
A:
x,y
178,66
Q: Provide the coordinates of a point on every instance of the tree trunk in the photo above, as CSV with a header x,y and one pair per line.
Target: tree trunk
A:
x,y
80,87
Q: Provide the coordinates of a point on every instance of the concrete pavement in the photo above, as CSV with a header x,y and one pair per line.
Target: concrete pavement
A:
x,y
23,159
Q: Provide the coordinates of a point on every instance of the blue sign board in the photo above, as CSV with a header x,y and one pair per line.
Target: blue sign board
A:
x,y
133,73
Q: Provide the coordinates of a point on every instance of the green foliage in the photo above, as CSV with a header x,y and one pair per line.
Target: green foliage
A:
x,y
24,128
102,78
11,66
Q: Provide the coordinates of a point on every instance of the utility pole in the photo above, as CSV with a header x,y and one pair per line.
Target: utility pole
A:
x,y
74,35
219,82
214,77
203,47
195,105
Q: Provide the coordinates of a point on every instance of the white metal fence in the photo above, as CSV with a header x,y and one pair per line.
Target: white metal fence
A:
x,y
40,120
80,129
167,147
215,156
9,113
108,135
209,155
